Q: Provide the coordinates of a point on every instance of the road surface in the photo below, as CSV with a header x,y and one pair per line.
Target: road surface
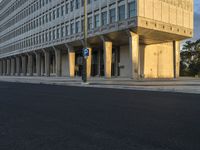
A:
x,y
47,117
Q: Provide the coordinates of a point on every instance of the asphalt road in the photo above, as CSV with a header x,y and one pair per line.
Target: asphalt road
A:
x,y
46,117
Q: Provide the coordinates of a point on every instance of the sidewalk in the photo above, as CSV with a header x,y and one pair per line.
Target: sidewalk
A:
x,y
183,85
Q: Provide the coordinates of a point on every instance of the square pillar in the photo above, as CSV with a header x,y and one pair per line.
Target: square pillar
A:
x,y
24,65
1,67
99,62
47,63
30,65
176,53
58,62
13,68
8,67
116,61
134,55
89,63
18,66
4,67
38,64
107,58
71,63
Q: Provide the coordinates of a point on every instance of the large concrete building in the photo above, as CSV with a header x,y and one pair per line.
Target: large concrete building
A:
x,y
126,38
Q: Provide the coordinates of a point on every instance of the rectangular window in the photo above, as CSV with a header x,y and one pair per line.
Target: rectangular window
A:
x,y
43,19
89,23
62,10
67,8
43,37
58,33
49,35
104,18
72,5
46,18
58,12
77,4
37,23
54,14
78,27
46,36
72,28
82,25
50,16
54,34
66,30
132,9
96,21
62,31
121,12
112,15
42,2
40,22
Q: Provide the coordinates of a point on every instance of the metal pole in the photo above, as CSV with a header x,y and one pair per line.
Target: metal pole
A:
x,y
84,73
85,23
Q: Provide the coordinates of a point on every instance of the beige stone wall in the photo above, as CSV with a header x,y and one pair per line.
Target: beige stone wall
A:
x,y
124,61
158,61
177,12
173,16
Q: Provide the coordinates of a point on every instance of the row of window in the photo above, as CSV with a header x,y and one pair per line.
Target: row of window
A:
x,y
3,3
55,13
34,6
56,33
12,8
74,4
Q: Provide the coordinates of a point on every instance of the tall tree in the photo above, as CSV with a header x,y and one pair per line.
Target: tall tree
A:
x,y
190,58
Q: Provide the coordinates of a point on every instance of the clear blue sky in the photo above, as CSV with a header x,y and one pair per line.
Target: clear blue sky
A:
x,y
197,6
196,19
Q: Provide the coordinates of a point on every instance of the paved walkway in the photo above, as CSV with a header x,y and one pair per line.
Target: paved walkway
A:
x,y
183,85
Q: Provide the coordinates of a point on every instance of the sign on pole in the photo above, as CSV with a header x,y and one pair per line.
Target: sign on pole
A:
x,y
86,53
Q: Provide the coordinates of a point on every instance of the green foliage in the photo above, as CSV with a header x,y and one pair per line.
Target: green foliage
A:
x,y
190,59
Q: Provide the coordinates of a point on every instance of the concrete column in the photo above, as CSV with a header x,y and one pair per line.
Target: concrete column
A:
x,y
99,62
30,65
18,66
53,67
71,58
116,61
13,68
107,58
47,63
1,67
58,62
24,65
4,67
176,53
8,67
89,63
134,55
38,64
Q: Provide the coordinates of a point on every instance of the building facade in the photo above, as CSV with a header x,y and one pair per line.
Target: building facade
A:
x,y
126,38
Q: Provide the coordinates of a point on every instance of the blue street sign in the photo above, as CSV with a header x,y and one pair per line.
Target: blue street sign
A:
x,y
86,52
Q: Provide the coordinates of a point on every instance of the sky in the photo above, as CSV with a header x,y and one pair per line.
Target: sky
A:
x,y
197,19
197,6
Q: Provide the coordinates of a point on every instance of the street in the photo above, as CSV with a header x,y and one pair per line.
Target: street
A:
x,y
50,117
